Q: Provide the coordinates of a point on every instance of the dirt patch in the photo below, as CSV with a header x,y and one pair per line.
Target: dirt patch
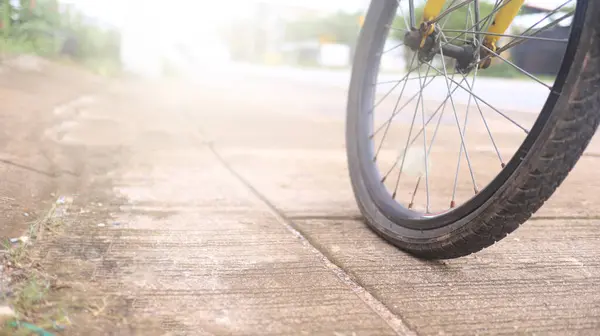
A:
x,y
67,267
77,258
29,95
40,180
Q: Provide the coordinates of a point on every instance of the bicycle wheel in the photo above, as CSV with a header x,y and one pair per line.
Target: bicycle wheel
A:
x,y
445,159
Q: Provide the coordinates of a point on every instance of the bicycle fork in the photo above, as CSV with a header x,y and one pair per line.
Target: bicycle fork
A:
x,y
503,16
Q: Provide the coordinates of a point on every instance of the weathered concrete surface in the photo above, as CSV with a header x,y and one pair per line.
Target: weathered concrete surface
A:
x,y
192,185
185,241
541,280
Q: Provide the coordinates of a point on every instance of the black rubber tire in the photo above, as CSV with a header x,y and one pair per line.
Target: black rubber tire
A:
x,y
559,145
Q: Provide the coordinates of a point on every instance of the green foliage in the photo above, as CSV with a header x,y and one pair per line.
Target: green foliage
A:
x,y
250,39
459,19
340,27
501,70
43,30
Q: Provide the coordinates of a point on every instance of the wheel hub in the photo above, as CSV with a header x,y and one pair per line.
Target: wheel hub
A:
x,y
423,41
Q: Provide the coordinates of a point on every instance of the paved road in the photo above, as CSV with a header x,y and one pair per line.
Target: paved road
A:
x,y
229,212
520,95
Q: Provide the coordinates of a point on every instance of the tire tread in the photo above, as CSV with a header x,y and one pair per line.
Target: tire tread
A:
x,y
567,134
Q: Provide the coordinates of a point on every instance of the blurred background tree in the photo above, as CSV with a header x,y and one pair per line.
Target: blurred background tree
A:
x,y
459,19
47,29
340,27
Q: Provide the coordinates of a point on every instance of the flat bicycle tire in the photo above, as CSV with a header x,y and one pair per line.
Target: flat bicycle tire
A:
x,y
560,138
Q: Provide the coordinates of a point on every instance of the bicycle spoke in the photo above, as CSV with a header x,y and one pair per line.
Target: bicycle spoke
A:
x,y
406,29
497,8
443,24
476,25
390,119
452,203
442,106
469,19
433,138
405,148
484,120
511,35
453,199
462,140
407,140
393,48
393,112
489,132
484,24
518,68
412,199
486,19
515,42
522,38
397,84
450,10
403,174
397,29
424,147
413,20
471,87
406,24
485,102
410,79
437,127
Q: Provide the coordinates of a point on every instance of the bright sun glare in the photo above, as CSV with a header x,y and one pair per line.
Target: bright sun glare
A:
x,y
152,28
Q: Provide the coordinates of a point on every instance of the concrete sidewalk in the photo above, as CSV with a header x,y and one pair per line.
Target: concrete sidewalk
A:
x,y
229,212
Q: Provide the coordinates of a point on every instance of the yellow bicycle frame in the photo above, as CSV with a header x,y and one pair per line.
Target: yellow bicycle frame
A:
x,y
502,19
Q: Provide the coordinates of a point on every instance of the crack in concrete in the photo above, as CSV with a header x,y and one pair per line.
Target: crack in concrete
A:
x,y
395,322
37,171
